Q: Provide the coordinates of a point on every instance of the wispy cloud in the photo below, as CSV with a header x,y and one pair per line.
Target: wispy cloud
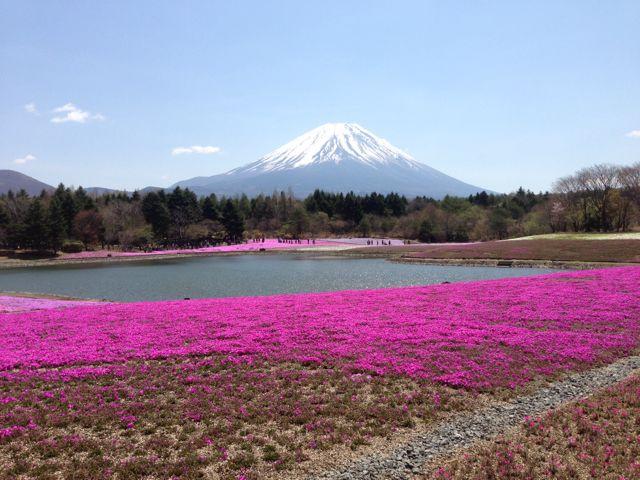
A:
x,y
70,113
634,134
204,150
25,159
31,108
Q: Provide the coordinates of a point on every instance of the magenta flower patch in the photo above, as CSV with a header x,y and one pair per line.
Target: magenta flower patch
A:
x,y
477,335
268,244
9,304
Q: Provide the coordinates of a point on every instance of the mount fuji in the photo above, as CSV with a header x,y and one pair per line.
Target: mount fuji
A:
x,y
335,157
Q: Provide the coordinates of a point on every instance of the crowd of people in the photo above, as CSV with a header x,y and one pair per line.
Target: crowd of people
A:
x,y
297,241
378,242
291,241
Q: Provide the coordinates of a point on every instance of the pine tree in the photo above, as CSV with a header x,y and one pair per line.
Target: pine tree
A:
x,y
233,221
156,213
82,200
35,229
210,207
68,205
55,225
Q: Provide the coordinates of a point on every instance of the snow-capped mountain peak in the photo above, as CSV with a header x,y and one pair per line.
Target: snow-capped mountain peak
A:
x,y
331,143
335,157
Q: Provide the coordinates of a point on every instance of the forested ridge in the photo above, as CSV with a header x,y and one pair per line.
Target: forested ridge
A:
x,y
599,198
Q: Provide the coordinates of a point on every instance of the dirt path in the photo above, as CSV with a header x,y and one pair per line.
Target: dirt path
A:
x,y
463,430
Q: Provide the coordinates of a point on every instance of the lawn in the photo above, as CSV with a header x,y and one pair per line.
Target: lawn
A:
x,y
256,386
583,236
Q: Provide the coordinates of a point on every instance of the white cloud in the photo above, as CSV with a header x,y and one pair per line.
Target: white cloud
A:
x,y
71,113
25,159
31,108
634,134
204,150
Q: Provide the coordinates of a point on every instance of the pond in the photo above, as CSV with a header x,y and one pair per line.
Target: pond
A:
x,y
225,276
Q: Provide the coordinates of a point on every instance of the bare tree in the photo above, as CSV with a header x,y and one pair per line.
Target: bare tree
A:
x,y
598,182
120,216
629,180
570,198
599,197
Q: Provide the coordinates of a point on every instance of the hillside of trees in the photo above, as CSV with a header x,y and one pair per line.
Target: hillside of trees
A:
x,y
600,198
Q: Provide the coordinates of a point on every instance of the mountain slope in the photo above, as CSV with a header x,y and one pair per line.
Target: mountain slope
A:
x,y
16,181
334,157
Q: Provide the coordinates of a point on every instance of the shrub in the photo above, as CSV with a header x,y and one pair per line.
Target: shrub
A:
x,y
72,246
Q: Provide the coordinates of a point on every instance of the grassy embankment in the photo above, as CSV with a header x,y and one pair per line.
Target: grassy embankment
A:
x,y
578,249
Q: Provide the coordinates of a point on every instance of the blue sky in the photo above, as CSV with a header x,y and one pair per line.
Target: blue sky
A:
x,y
498,94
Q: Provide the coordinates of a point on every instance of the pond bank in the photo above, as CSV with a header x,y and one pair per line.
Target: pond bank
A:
x,y
319,252
555,254
480,262
117,256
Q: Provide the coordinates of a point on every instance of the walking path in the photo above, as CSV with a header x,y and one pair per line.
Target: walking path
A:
x,y
463,430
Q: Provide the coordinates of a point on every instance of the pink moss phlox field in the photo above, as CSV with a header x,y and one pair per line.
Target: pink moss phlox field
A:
x,y
478,335
9,304
268,244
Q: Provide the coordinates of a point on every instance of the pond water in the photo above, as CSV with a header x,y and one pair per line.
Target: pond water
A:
x,y
198,277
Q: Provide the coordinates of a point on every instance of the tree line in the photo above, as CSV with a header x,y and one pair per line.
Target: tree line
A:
x,y
598,198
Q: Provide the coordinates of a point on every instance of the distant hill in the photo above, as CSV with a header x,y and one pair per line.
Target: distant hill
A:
x,y
99,190
145,190
16,181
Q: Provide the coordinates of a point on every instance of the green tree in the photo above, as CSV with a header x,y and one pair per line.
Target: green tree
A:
x,y
68,205
183,210
82,200
35,227
364,227
210,208
299,221
55,224
499,222
426,231
156,213
397,204
352,208
233,221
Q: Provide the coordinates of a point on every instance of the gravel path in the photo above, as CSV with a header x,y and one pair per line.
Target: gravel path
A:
x,y
463,430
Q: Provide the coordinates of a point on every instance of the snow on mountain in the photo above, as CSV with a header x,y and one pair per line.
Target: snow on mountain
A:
x,y
334,157
331,143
